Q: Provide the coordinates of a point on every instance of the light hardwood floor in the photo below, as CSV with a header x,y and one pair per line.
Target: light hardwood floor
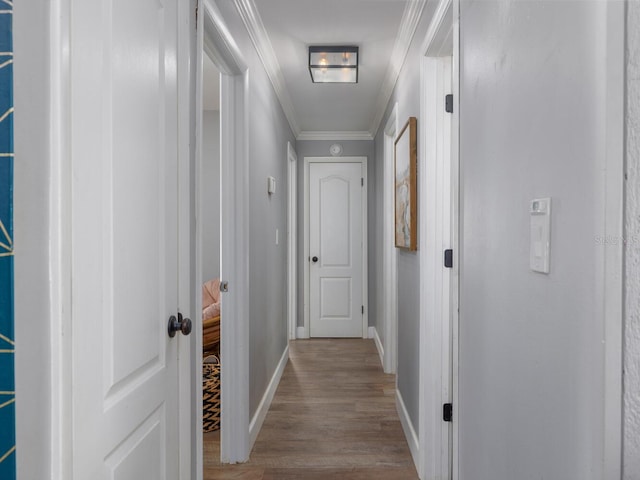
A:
x,y
333,417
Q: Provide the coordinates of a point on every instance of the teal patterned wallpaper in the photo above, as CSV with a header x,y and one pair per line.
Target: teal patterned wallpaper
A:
x,y
7,346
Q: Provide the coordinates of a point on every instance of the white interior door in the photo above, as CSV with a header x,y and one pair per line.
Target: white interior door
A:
x,y
335,249
124,230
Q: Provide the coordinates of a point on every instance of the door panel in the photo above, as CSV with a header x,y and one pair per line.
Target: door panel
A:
x,y
336,238
124,234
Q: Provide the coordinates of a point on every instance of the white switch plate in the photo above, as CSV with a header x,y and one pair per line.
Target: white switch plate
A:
x,y
277,236
271,185
540,234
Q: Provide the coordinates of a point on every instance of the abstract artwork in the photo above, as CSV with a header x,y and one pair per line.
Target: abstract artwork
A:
x,y
7,345
405,177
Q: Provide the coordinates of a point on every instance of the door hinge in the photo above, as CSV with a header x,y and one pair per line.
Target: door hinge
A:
x,y
448,103
447,412
448,258
362,181
196,17
363,309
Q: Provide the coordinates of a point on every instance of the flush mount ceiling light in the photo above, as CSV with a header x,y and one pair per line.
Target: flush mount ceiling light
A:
x,y
333,64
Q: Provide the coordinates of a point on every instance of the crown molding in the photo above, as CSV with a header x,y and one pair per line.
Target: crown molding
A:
x,y
308,135
408,25
258,34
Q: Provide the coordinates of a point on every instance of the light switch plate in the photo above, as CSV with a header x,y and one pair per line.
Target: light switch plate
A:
x,y
271,185
540,234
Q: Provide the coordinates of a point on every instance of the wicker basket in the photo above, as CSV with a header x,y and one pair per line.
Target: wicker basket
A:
x,y
210,397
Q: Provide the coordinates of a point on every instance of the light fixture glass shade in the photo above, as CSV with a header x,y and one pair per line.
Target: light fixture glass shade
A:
x,y
333,64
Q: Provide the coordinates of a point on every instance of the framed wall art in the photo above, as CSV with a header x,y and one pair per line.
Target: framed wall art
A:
x,y
406,194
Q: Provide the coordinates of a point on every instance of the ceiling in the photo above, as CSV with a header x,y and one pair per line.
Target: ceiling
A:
x,y
282,30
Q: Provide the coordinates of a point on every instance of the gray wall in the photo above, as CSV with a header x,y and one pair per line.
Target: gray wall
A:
x,y
268,136
632,252
211,194
31,222
350,148
531,347
407,95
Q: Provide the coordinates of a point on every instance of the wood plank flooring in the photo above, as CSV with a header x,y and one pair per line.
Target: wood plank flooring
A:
x,y
333,417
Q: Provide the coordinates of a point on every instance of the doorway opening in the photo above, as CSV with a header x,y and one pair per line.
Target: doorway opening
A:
x,y
221,225
210,209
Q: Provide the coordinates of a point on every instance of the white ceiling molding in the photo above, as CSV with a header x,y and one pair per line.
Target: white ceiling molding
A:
x,y
334,136
408,26
251,18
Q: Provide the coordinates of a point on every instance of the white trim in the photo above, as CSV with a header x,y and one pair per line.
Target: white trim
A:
x,y
308,135
436,181
267,398
365,237
388,290
189,412
234,181
260,38
292,241
614,254
300,333
218,42
373,333
457,215
60,245
408,26
407,428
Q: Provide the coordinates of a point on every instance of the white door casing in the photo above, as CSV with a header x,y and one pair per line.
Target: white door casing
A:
x,y
337,260
124,150
292,239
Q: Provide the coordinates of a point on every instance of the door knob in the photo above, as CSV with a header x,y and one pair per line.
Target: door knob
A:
x,y
179,325
314,259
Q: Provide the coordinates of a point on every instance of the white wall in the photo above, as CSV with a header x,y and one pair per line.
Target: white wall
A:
x,y
31,238
350,148
532,104
631,463
269,133
211,194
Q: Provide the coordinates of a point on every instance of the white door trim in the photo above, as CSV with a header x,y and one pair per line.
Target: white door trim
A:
x,y
365,238
234,178
613,270
292,240
437,184
388,289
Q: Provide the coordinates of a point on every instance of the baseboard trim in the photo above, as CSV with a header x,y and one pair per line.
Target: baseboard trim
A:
x,y
409,432
267,398
300,332
373,333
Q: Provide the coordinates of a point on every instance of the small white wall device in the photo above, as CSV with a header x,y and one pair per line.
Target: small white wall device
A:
x,y
540,242
271,185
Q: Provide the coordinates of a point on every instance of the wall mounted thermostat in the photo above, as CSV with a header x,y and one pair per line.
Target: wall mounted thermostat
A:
x,y
540,240
271,185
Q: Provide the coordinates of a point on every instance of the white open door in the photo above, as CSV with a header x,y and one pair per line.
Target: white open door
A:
x,y
124,233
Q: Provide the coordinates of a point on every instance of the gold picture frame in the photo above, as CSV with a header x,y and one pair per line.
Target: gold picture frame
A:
x,y
405,186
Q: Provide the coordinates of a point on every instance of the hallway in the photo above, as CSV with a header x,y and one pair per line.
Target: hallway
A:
x,y
333,416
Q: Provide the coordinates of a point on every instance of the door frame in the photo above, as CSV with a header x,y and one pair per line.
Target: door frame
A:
x,y
365,238
214,38
388,289
438,230
292,240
